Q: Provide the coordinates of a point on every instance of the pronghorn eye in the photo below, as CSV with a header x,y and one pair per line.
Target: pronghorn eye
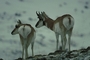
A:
x,y
16,26
40,19
43,22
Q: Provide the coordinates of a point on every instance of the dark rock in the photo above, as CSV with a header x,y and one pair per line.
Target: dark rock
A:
x,y
51,56
1,59
82,11
4,13
30,19
51,53
88,48
86,7
60,5
83,51
58,51
87,2
17,14
30,57
37,55
24,12
21,0
19,59
75,9
80,54
43,58
81,35
65,3
7,3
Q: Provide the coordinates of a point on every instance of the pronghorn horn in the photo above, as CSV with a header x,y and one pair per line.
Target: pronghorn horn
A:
x,y
40,15
19,22
37,13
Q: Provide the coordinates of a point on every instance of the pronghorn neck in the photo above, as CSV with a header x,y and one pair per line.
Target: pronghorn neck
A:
x,y
49,23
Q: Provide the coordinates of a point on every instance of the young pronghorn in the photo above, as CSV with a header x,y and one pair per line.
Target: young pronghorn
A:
x,y
61,26
27,36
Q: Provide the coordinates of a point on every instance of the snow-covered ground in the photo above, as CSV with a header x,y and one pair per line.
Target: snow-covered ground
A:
x,y
45,42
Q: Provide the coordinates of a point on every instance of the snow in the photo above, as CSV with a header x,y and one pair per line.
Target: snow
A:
x,y
45,42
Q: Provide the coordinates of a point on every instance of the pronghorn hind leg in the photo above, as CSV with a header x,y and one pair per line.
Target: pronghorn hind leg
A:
x,y
32,45
26,53
63,39
57,42
22,43
22,52
69,37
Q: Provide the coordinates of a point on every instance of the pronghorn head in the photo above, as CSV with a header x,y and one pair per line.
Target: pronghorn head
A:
x,y
41,17
15,30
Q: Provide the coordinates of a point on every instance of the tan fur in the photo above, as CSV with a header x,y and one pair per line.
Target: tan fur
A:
x,y
25,41
51,23
64,29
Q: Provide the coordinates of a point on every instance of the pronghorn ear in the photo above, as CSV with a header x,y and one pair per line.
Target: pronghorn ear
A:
x,y
19,22
38,13
45,15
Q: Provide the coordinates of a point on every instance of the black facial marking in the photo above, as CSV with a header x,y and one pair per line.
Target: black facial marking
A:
x,y
16,26
43,22
37,24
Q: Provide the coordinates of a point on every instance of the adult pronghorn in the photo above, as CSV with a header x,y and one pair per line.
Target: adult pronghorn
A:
x,y
27,36
61,26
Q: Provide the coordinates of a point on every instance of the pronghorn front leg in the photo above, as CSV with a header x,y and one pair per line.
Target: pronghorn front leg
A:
x,y
57,38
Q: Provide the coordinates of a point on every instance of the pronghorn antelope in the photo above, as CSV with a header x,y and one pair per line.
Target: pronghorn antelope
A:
x,y
61,26
27,36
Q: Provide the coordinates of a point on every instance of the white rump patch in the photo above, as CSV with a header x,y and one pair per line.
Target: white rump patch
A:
x,y
66,22
24,31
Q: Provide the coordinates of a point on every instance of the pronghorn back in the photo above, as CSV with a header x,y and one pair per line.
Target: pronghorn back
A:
x,y
66,21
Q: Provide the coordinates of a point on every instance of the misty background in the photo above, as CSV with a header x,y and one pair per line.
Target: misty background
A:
x,y
45,42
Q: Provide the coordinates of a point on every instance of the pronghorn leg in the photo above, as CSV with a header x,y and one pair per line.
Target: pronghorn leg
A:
x,y
23,52
32,48
26,53
63,42
57,38
69,37
69,41
22,43
63,39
